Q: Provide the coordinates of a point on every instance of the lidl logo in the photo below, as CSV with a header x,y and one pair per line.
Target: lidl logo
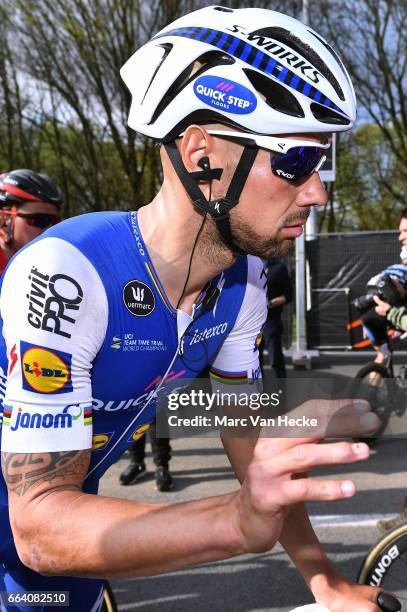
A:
x,y
45,370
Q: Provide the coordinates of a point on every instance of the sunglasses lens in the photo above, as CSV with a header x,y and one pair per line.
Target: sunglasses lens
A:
x,y
41,220
298,163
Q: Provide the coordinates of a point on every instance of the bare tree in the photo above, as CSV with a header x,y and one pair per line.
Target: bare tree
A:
x,y
371,36
70,115
73,51
16,136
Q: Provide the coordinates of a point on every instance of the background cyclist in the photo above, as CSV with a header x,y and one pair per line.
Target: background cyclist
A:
x,y
29,204
378,319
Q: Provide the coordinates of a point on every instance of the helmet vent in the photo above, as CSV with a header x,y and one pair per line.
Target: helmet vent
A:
x,y
167,48
327,115
223,9
294,43
196,68
274,94
334,53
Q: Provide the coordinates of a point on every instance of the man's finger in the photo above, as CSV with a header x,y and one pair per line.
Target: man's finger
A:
x,y
304,457
323,418
292,492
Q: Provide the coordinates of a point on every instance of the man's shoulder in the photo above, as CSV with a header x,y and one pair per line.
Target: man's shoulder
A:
x,y
95,236
255,271
249,283
90,227
247,269
80,248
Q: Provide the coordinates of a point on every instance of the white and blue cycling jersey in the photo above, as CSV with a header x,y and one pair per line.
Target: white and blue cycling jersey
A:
x,y
89,334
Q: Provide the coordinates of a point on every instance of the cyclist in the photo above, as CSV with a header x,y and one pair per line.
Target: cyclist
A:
x,y
377,320
29,204
396,316
239,99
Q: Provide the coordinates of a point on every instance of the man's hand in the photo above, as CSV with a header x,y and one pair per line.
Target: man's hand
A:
x,y
338,594
344,418
280,300
269,489
382,308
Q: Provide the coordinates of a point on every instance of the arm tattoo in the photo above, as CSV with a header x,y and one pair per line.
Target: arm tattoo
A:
x,y
22,471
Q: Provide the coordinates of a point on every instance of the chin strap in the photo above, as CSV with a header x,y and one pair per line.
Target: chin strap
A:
x,y
219,209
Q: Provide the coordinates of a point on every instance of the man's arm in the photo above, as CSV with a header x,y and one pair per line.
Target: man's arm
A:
x,y
398,317
279,282
302,545
280,300
58,529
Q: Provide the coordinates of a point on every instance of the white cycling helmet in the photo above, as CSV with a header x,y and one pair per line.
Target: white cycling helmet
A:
x,y
254,69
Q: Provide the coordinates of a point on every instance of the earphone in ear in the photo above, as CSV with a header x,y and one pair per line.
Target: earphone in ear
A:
x,y
204,163
206,174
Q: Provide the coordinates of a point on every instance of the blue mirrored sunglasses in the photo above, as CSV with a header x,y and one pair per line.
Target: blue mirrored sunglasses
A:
x,y
291,159
298,163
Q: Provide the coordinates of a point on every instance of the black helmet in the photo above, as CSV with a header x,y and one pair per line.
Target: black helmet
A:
x,y
21,186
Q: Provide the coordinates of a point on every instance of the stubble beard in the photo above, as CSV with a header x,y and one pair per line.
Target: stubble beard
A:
x,y
212,247
273,246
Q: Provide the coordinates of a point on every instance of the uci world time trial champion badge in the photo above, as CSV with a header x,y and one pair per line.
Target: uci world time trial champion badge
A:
x,y
138,298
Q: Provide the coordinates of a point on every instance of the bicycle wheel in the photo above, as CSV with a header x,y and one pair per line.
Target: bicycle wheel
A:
x,y
109,602
386,564
374,384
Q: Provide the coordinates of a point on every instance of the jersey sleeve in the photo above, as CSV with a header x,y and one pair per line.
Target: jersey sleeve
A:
x,y
398,317
238,359
54,310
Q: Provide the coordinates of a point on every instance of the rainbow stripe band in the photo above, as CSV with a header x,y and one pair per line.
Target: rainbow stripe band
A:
x,y
228,378
253,56
157,285
88,417
7,415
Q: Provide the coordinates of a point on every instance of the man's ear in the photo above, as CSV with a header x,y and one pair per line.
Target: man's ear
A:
x,y
196,144
196,151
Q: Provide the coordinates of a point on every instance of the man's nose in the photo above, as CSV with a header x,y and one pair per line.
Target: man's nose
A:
x,y
313,192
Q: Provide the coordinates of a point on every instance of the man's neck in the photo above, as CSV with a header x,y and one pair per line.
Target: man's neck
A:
x,y
169,231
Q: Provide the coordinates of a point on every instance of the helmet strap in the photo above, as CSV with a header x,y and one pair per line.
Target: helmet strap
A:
x,y
219,209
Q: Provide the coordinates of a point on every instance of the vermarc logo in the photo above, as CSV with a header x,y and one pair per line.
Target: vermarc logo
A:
x,y
138,298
